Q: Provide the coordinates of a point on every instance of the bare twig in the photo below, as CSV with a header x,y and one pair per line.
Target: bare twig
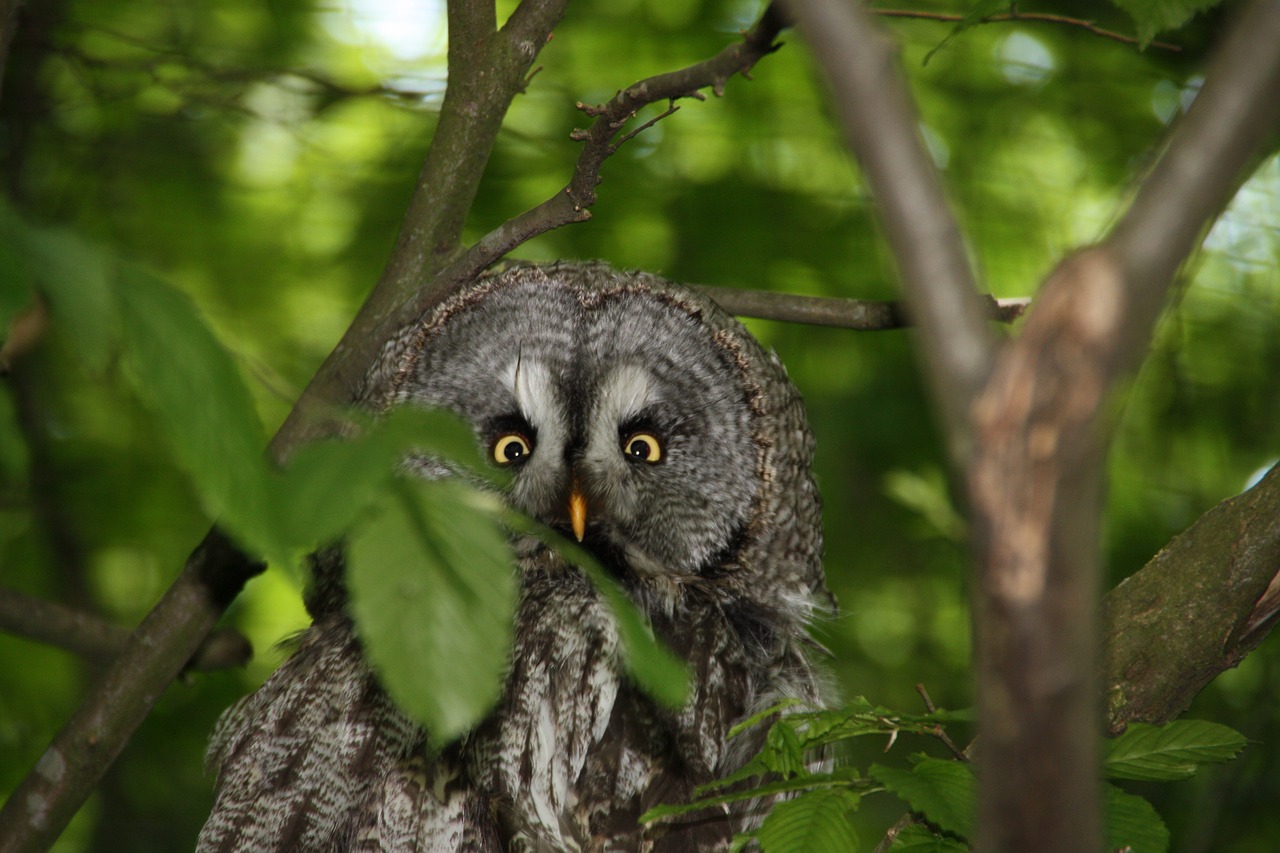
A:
x,y
938,731
862,315
99,641
573,203
880,123
1015,16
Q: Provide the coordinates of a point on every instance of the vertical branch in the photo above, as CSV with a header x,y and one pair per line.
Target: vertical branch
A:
x,y
1032,426
1037,481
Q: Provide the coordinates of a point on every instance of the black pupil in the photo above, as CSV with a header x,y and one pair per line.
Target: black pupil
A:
x,y
639,449
512,450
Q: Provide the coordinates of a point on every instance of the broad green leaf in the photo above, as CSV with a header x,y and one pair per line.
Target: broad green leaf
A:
x,y
433,592
202,405
327,485
1133,823
920,839
439,433
659,673
816,822
1157,16
1171,751
79,281
943,791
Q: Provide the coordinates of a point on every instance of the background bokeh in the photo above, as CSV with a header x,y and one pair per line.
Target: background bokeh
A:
x,y
259,156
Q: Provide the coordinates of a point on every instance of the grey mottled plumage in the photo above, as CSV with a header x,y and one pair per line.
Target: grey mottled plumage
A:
x,y
689,449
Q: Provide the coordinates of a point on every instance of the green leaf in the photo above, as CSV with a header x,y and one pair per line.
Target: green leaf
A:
x,y
943,791
1157,16
327,485
201,404
916,838
1133,824
1172,751
76,277
816,822
433,592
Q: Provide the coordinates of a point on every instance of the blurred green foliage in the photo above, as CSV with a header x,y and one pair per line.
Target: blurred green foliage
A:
x,y
259,155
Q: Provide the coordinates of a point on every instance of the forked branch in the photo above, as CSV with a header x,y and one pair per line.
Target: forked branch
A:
x,y
601,140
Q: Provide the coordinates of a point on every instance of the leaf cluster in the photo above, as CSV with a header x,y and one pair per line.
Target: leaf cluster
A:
x,y
819,796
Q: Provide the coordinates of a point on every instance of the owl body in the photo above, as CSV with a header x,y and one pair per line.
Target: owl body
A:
x,y
638,417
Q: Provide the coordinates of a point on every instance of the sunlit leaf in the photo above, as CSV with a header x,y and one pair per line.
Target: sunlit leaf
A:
x,y
433,591
1133,824
1170,751
943,791
816,822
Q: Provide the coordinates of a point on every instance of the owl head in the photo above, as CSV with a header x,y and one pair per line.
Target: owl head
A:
x,y
631,413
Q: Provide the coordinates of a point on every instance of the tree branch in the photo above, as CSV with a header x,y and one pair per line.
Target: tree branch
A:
x,y
487,69
1196,609
99,641
40,807
1031,418
1208,153
880,123
1036,482
862,315
573,202
1015,17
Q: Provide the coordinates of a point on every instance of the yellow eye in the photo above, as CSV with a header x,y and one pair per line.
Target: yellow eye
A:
x,y
643,447
511,447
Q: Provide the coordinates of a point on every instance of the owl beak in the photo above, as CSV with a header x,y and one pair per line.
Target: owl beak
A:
x,y
577,512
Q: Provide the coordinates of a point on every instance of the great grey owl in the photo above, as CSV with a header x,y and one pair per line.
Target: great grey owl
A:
x,y
641,417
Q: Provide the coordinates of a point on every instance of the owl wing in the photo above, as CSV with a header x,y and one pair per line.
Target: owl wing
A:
x,y
295,760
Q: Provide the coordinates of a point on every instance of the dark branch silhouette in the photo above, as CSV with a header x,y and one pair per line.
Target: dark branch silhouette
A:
x,y
99,641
